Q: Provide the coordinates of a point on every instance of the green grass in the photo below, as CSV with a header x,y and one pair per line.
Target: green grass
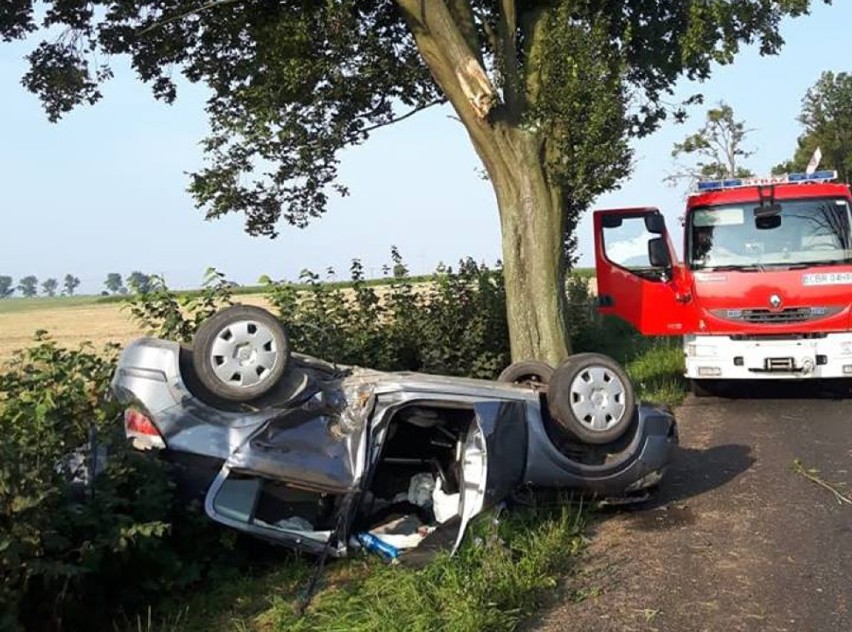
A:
x,y
13,305
655,364
584,273
503,573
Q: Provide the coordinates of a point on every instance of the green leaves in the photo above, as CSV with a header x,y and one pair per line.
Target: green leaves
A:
x,y
827,120
75,557
454,325
165,314
715,150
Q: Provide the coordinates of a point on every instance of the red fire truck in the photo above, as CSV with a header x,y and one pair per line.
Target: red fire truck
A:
x,y
765,290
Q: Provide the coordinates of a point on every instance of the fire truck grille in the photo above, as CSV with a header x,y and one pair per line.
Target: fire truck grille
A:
x,y
779,317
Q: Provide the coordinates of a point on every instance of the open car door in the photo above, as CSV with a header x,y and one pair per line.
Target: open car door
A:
x,y
291,482
639,278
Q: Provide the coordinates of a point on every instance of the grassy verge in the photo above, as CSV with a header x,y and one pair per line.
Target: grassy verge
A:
x,y
501,575
655,364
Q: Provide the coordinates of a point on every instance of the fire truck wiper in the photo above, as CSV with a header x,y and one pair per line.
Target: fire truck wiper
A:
x,y
739,268
828,262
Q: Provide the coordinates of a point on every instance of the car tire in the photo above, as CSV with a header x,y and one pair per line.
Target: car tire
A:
x,y
531,372
591,397
240,353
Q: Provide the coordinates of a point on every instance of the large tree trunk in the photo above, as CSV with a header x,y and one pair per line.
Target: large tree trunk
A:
x,y
531,210
532,223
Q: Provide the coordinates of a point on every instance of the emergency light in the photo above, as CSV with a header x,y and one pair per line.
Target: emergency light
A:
x,y
789,178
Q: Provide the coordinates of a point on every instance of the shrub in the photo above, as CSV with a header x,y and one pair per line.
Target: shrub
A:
x,y
454,325
72,555
165,314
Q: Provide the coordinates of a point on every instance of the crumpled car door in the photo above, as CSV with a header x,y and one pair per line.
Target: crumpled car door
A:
x,y
303,453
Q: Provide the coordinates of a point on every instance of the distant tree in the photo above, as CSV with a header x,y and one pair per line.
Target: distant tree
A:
x,y
827,120
49,287
138,282
713,152
114,283
28,286
6,288
71,282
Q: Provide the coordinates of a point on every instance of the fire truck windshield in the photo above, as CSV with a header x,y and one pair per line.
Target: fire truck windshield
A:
x,y
795,233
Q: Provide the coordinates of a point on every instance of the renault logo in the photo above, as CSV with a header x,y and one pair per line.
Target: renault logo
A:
x,y
775,300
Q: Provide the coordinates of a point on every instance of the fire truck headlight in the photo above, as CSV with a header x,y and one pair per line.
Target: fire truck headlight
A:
x,y
700,351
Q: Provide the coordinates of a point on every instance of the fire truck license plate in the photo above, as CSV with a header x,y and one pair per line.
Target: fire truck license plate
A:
x,y
827,278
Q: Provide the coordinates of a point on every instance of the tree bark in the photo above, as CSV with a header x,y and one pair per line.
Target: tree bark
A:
x,y
532,222
532,216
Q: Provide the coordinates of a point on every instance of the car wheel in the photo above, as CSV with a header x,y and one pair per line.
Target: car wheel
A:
x,y
531,372
591,397
240,352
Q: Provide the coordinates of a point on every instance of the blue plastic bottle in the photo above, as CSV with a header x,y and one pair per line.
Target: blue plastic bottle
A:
x,y
376,545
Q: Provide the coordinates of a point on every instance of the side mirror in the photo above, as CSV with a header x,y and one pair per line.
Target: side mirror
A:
x,y
658,253
612,221
655,223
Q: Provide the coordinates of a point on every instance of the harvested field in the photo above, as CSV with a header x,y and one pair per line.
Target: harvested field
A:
x,y
77,322
72,321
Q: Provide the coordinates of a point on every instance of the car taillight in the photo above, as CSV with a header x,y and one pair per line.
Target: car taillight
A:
x,y
141,431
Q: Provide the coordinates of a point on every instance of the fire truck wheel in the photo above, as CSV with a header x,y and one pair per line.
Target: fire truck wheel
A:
x,y
591,396
240,352
528,372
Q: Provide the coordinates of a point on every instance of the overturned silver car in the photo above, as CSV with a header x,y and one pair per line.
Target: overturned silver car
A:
x,y
322,458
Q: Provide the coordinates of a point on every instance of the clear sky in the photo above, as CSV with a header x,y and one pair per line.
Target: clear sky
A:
x,y
104,190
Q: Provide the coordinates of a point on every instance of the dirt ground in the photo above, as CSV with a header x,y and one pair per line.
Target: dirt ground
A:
x,y
735,539
75,324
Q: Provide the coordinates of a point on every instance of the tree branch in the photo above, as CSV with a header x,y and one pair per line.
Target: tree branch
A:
x,y
463,16
533,25
508,29
453,64
402,117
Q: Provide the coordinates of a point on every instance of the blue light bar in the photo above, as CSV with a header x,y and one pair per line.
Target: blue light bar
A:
x,y
792,178
716,185
816,176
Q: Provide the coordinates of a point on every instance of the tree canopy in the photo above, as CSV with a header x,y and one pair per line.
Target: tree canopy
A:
x,y
49,286
715,151
28,286
114,283
70,283
6,287
294,81
549,92
827,120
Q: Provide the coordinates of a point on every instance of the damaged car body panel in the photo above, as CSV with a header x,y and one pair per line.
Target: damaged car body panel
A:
x,y
338,451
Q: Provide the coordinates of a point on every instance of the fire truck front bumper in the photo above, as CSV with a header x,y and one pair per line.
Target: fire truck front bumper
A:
x,y
768,357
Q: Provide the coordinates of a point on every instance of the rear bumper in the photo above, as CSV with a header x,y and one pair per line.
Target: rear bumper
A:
x,y
721,357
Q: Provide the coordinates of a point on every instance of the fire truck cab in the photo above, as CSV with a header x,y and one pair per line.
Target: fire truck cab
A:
x,y
765,288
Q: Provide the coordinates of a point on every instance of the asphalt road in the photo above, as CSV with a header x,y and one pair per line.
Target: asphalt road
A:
x,y
735,539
